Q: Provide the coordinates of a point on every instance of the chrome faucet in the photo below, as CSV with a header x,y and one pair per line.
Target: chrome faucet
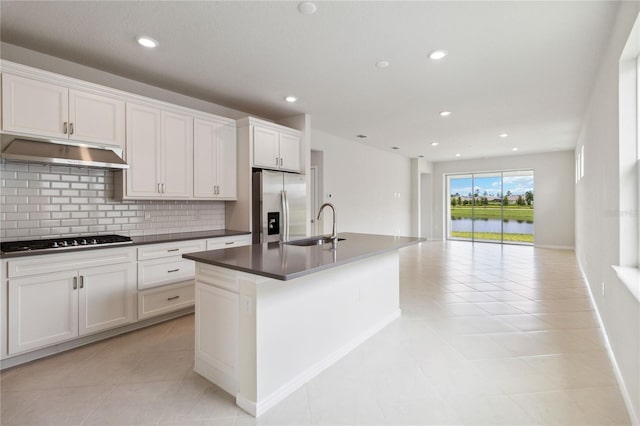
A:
x,y
334,235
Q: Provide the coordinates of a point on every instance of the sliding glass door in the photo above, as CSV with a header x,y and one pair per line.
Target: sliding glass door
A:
x,y
491,207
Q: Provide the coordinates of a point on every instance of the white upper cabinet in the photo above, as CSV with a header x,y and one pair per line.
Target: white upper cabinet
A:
x,y
155,138
159,153
96,118
177,155
266,151
143,151
44,109
215,151
290,152
275,147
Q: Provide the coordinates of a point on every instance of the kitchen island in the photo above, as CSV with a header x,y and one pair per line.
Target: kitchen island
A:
x,y
270,317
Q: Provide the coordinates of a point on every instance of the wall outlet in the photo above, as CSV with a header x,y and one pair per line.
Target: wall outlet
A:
x,y
604,287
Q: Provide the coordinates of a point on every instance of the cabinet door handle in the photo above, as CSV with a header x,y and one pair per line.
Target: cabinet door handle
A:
x,y
173,298
70,128
229,243
159,187
163,188
174,270
277,159
75,283
64,127
173,249
280,161
81,281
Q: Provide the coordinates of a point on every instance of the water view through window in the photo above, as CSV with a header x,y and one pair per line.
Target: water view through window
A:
x,y
491,207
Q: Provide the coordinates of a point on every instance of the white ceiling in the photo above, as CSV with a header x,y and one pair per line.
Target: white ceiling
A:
x,y
524,68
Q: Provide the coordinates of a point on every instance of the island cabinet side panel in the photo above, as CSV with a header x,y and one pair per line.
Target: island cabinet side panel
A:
x,y
217,326
306,324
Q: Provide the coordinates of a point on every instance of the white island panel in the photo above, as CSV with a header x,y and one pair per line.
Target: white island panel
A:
x,y
289,331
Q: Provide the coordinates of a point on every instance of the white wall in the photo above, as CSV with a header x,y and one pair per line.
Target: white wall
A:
x,y
598,218
553,187
363,181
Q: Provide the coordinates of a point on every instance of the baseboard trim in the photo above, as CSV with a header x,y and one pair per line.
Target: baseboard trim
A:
x,y
616,369
257,408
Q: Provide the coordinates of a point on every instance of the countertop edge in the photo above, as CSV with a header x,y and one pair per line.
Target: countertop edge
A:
x,y
137,241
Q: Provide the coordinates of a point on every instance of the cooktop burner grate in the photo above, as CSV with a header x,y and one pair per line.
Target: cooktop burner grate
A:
x,y
62,243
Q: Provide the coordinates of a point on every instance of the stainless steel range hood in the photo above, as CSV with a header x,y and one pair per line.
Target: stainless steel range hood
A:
x,y
48,152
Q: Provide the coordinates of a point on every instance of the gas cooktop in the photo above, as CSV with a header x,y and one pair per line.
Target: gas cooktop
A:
x,y
62,243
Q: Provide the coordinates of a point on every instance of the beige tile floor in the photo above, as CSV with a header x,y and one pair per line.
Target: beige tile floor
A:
x,y
489,335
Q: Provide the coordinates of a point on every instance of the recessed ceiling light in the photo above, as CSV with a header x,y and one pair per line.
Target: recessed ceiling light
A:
x,y
457,155
434,144
307,8
503,135
291,99
147,42
382,64
514,149
555,148
361,136
395,147
438,54
445,113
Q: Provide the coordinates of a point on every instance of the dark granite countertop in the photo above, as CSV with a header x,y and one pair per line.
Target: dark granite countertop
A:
x,y
286,262
141,240
185,236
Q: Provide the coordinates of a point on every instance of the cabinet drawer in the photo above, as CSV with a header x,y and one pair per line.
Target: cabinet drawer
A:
x,y
155,251
50,263
228,242
165,299
157,272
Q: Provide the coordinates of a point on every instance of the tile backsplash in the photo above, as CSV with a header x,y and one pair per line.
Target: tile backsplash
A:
x,y
44,201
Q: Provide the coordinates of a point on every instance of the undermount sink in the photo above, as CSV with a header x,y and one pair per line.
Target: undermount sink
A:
x,y
313,241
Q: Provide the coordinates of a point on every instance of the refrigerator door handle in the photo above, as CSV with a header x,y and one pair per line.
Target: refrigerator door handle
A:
x,y
285,214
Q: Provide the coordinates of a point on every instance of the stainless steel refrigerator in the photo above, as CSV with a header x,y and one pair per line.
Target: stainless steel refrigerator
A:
x,y
279,206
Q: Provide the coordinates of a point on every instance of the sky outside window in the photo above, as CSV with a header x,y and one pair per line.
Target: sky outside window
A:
x,y
517,185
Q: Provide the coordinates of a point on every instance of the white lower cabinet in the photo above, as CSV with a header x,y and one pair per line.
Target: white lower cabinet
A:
x,y
54,298
43,310
49,308
165,299
165,279
106,297
228,242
